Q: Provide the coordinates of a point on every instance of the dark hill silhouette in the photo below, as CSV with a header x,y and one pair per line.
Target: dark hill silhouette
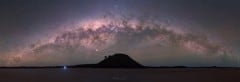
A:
x,y
118,60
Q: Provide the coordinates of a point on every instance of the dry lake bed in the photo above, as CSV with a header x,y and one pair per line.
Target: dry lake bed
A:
x,y
121,75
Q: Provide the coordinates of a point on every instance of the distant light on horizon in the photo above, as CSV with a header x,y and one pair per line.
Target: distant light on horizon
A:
x,y
64,67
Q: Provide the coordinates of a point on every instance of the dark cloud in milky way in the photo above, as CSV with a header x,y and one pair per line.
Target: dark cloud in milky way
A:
x,y
154,32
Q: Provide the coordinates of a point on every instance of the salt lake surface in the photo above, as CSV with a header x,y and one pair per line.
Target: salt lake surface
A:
x,y
121,75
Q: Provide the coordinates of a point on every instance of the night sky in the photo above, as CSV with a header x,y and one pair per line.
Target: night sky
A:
x,y
153,32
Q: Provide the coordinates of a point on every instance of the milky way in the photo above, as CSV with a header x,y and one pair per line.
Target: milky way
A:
x,y
153,32
146,41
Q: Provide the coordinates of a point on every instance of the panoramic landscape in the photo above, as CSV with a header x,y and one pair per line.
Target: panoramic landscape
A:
x,y
119,40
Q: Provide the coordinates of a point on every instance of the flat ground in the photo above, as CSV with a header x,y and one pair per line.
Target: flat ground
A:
x,y
121,75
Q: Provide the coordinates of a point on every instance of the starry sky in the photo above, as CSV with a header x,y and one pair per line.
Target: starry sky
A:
x,y
153,32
